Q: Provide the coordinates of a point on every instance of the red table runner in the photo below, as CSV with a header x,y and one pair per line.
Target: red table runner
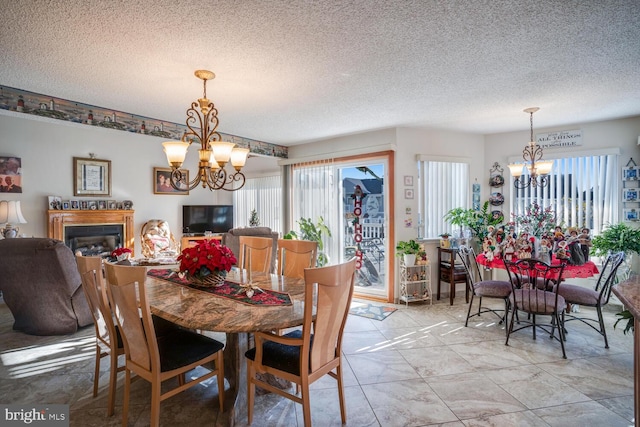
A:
x,y
586,270
228,290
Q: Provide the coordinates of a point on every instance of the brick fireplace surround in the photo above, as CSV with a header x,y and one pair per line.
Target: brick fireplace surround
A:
x,y
57,220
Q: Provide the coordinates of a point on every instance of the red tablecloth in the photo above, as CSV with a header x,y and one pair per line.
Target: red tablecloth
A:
x,y
588,269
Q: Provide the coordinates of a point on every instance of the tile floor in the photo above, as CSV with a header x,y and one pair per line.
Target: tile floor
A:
x,y
418,367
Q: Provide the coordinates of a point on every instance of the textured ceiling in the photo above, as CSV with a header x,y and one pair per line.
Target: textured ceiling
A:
x,y
296,71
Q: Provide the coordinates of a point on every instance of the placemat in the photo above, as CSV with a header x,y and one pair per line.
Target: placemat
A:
x,y
228,290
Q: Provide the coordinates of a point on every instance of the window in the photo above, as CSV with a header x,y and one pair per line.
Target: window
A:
x,y
582,190
263,194
446,186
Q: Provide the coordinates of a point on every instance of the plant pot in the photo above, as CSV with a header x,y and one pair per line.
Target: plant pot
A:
x,y
212,280
409,259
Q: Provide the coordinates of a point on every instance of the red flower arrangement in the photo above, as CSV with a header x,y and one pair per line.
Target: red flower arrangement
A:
x,y
120,251
205,258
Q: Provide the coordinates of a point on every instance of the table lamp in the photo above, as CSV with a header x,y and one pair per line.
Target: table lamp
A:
x,y
11,214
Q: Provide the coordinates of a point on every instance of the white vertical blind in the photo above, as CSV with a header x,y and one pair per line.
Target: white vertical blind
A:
x,y
446,186
582,190
263,194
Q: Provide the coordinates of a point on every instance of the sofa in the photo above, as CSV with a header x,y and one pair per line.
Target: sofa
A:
x,y
232,240
41,286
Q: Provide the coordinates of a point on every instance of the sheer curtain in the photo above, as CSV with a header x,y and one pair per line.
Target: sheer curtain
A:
x,y
315,191
584,192
446,186
263,194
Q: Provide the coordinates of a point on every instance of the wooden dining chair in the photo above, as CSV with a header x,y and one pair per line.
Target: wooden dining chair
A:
x,y
597,297
534,290
159,358
108,339
256,253
296,255
304,356
483,288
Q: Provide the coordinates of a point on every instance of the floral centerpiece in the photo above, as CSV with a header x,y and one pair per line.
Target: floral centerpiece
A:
x,y
206,263
536,220
121,254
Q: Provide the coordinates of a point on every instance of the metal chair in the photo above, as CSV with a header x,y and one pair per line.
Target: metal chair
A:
x,y
534,290
597,297
483,288
301,356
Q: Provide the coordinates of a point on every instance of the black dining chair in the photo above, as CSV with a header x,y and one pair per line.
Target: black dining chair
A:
x,y
597,297
534,290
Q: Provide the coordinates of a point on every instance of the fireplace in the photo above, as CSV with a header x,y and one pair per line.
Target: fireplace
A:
x,y
92,232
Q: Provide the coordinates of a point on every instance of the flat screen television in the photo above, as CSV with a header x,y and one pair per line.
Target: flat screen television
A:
x,y
196,219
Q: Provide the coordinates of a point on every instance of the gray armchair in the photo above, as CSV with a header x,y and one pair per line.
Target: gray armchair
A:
x,y
232,240
41,285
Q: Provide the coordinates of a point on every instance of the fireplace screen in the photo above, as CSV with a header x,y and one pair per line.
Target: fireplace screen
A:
x,y
93,240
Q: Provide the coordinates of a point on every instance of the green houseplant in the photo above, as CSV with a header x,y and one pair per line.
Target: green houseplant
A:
x,y
614,238
408,249
475,220
313,232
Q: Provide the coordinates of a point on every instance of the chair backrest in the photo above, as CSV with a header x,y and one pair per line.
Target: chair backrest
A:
x,y
256,252
537,278
607,277
296,255
130,304
468,257
90,269
121,274
334,289
157,240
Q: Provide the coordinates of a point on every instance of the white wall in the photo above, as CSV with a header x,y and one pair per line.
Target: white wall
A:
x,y
47,148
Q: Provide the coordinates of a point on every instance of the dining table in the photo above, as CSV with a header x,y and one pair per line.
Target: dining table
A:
x,y
586,270
195,308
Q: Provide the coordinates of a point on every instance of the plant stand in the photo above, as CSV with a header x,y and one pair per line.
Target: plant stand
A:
x,y
415,283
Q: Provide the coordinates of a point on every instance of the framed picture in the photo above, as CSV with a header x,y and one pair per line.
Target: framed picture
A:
x,y
630,214
112,205
162,183
11,175
91,177
93,205
119,206
54,202
66,205
630,194
84,205
74,205
631,173
408,193
408,180
102,205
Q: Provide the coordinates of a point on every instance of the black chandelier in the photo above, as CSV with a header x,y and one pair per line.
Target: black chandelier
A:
x,y
214,154
532,154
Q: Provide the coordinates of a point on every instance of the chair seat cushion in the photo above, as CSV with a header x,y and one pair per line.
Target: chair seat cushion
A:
x,y
280,356
492,288
537,301
578,295
183,347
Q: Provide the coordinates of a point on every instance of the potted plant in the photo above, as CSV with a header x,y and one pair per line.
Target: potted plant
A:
x,y
475,220
614,238
408,250
313,232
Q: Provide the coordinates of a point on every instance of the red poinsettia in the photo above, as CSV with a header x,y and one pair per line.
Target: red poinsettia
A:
x,y
205,258
120,251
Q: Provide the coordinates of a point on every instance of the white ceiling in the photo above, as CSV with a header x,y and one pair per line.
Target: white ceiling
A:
x,y
297,71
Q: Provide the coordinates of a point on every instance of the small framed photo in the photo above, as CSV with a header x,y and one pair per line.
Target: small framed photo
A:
x,y
408,180
119,206
93,205
408,193
162,182
55,202
74,205
631,173
84,205
630,214
630,194
91,177
102,205
66,205
112,205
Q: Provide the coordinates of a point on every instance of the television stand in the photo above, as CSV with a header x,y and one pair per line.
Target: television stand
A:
x,y
190,239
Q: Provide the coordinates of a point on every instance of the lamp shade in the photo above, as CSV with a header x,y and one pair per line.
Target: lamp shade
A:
x,y
10,213
176,152
222,151
516,169
239,157
544,168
